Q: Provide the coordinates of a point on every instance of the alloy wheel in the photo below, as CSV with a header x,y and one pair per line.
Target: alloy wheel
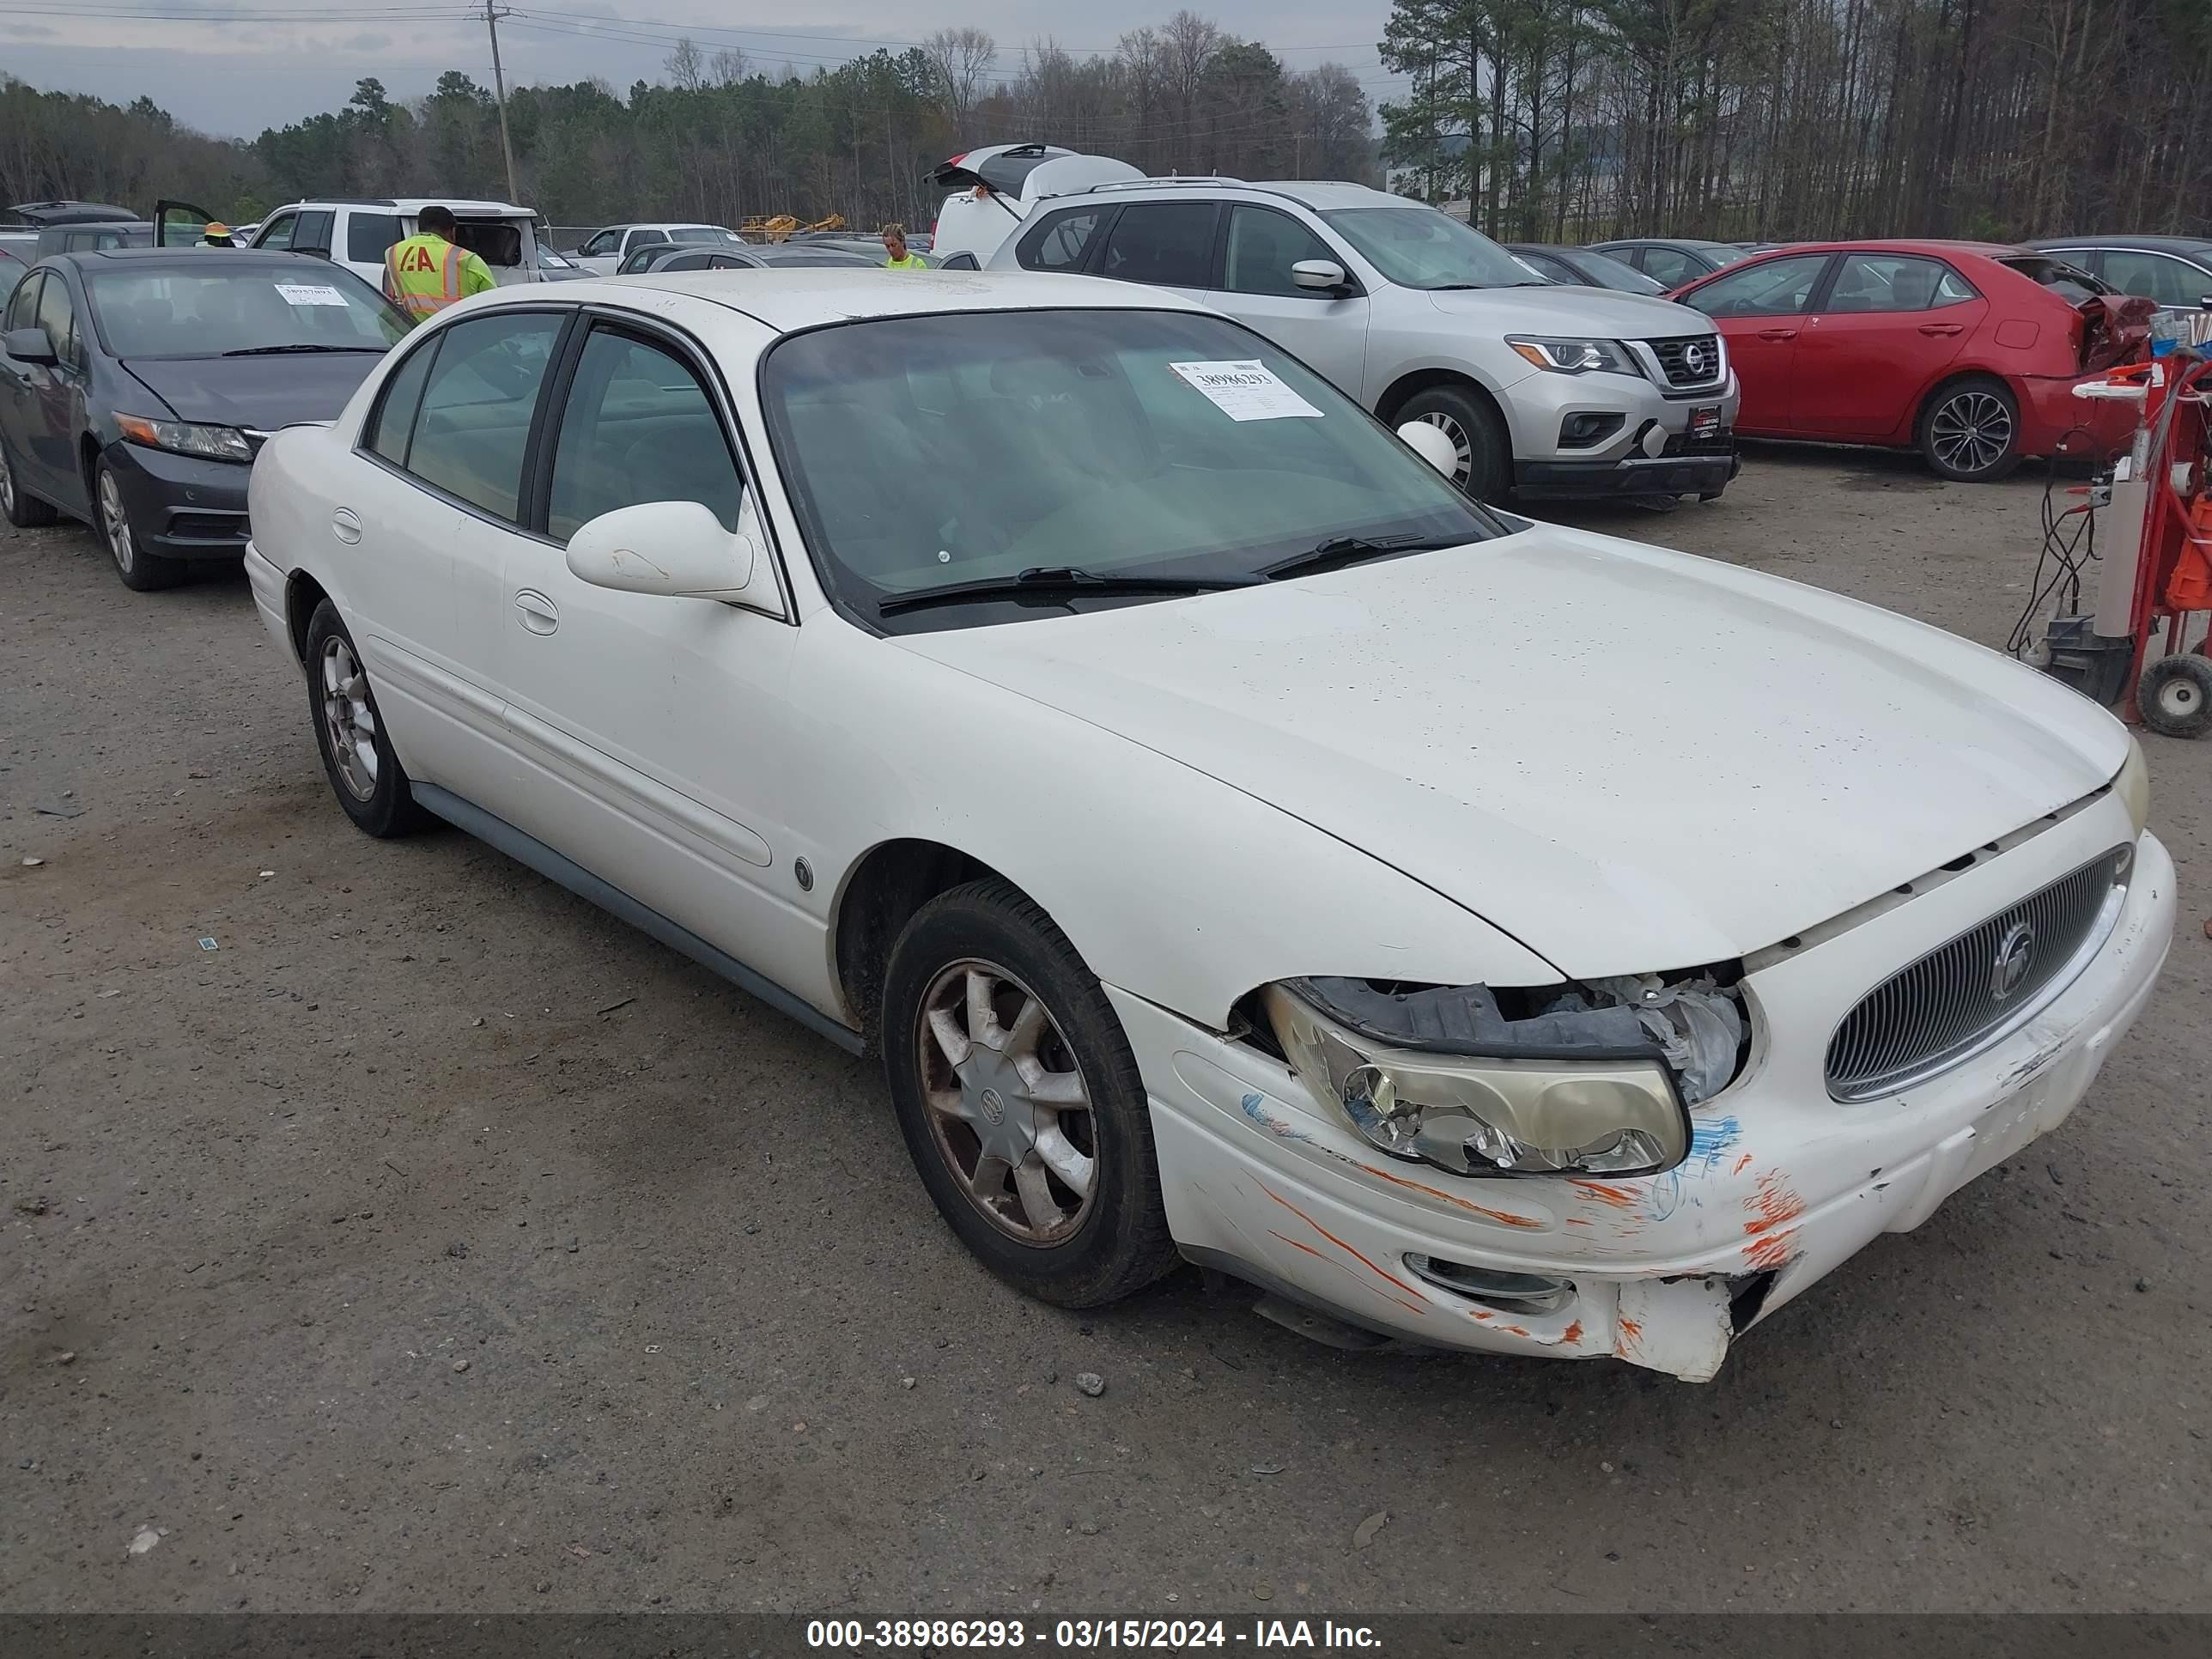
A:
x,y
116,522
1462,449
1009,1109
1972,432
349,722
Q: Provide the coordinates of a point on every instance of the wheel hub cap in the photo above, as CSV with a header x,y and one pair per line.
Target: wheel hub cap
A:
x,y
1973,432
349,722
1009,1109
1462,452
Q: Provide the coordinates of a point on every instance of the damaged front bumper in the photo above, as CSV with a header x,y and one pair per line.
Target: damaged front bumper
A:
x,y
1783,1183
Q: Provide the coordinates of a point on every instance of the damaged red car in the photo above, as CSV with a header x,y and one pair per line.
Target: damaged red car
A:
x,y
1967,351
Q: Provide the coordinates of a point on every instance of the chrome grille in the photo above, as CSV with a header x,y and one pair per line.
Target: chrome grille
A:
x,y
1957,998
1676,359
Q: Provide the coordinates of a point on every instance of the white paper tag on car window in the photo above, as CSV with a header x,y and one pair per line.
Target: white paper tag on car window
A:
x,y
310,293
1246,390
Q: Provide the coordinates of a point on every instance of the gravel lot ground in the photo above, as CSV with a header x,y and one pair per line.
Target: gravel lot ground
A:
x,y
436,1242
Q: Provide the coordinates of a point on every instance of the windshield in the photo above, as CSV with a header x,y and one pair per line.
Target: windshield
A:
x,y
191,313
1609,272
691,234
2070,284
1419,247
1121,443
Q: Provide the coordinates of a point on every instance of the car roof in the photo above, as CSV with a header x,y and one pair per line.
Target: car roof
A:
x,y
2157,244
789,301
215,258
1321,195
1936,246
403,203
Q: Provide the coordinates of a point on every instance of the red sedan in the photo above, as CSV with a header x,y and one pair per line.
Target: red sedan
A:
x,y
1968,351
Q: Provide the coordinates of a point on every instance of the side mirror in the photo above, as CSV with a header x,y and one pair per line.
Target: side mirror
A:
x,y
2205,302
1431,444
1324,275
29,345
675,548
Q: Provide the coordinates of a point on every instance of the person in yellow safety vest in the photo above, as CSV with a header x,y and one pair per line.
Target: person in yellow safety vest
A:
x,y
894,245
425,273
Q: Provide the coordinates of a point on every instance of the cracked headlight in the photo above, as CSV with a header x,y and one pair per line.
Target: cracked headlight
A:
x,y
1603,1108
2132,786
210,443
1575,356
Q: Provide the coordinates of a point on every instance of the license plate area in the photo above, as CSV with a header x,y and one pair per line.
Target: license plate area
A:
x,y
1705,422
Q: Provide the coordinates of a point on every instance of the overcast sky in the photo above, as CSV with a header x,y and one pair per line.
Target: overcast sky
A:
x,y
232,67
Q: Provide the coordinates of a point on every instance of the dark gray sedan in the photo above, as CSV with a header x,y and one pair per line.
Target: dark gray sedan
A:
x,y
2176,272
1671,261
138,384
771,256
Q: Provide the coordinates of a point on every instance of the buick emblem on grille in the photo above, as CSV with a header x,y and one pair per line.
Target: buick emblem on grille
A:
x,y
2015,954
1693,358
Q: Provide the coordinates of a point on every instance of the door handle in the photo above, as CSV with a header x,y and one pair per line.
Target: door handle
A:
x,y
345,525
539,615
1777,334
1942,328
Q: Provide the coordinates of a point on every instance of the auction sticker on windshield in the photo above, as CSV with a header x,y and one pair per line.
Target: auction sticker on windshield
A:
x,y
1246,390
311,293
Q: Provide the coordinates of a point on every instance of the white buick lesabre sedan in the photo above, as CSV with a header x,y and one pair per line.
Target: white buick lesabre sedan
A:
x,y
1238,844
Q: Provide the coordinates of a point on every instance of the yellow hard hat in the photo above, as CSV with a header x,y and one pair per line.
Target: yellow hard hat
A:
x,y
216,228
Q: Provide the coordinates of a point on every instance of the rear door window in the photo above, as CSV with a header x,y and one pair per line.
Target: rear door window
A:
x,y
1669,267
1551,270
370,236
1166,244
1063,239
1893,282
476,408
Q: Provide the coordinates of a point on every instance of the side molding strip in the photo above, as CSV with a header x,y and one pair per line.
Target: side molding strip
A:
x,y
527,849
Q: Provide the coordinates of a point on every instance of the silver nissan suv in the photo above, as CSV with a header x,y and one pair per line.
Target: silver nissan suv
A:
x,y
1545,390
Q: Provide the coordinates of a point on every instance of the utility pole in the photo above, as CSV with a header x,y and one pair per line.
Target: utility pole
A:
x,y
499,86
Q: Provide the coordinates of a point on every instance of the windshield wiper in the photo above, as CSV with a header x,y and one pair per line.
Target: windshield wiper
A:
x,y
265,351
1351,550
1059,578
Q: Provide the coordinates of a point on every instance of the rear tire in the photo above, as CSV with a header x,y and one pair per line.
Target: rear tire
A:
x,y
1485,468
365,775
1020,1102
142,572
1969,431
23,511
2175,696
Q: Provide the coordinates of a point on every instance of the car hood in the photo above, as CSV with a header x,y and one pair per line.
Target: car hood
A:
x,y
1630,760
1557,308
262,392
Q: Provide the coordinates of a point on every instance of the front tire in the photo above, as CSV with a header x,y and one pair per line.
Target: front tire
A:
x,y
1020,1100
24,512
142,572
365,775
1970,430
1486,455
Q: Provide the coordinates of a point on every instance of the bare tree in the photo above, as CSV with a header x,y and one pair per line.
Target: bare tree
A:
x,y
687,65
960,61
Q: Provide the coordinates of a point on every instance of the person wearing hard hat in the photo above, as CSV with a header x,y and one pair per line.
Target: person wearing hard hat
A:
x,y
215,234
896,256
426,272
